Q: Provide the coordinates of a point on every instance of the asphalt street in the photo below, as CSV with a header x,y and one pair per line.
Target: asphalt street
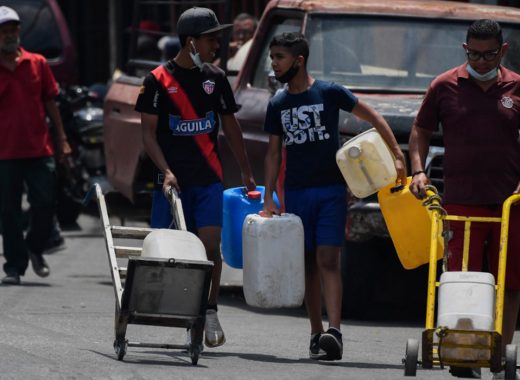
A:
x,y
61,327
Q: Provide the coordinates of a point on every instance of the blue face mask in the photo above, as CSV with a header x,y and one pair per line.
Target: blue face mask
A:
x,y
491,74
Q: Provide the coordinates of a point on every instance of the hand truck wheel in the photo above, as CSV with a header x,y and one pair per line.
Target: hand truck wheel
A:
x,y
120,347
194,351
410,359
510,367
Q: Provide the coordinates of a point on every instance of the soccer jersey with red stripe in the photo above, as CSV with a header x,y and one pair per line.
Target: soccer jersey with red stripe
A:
x,y
188,102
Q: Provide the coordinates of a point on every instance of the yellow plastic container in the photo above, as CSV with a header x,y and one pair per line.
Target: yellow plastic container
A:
x,y
409,224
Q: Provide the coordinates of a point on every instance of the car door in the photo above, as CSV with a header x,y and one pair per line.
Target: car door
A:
x,y
253,91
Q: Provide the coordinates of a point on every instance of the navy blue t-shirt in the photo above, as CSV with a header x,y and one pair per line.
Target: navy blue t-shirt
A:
x,y
308,122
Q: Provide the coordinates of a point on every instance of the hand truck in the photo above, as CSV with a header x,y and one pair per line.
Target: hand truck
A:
x,y
434,339
155,291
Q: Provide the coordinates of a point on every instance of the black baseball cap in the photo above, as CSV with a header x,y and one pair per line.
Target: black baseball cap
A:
x,y
196,21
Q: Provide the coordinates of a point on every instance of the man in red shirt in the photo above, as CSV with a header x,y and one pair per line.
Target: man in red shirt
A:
x,y
478,106
27,92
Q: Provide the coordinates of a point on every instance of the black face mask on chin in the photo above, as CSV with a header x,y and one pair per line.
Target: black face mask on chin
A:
x,y
288,75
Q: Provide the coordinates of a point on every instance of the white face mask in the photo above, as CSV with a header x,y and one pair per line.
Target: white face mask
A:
x,y
491,74
195,56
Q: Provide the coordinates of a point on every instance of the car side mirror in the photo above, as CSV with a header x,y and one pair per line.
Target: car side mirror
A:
x,y
273,84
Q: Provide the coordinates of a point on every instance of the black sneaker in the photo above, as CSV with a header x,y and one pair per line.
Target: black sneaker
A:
x,y
466,373
39,265
12,278
332,343
54,244
315,352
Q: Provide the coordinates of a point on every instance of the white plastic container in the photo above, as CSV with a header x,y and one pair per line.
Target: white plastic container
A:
x,y
165,243
366,163
466,302
274,267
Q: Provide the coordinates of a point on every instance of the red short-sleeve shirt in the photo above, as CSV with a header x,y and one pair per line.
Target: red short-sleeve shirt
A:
x,y
481,135
23,130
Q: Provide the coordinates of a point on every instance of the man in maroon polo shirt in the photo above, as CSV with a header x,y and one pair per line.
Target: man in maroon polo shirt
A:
x,y
478,106
27,92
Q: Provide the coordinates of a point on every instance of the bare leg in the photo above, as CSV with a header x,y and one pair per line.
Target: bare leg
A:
x,y
313,293
210,237
511,304
328,259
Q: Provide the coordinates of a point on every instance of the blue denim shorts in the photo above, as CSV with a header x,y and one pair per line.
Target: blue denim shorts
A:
x,y
202,206
323,211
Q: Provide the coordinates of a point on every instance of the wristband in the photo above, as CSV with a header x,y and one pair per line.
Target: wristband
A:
x,y
418,172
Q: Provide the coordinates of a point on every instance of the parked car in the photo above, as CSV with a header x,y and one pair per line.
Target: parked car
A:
x,y
45,31
387,53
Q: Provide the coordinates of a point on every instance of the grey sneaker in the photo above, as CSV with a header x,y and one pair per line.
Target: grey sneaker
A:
x,y
213,334
12,278
40,266
315,351
332,343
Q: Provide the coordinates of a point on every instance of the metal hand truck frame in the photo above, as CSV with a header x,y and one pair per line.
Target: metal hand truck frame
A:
x,y
432,337
142,296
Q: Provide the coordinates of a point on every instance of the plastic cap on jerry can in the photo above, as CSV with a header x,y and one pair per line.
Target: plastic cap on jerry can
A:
x,y
354,152
254,194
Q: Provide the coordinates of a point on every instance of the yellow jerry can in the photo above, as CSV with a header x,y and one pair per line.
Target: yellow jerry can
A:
x,y
409,224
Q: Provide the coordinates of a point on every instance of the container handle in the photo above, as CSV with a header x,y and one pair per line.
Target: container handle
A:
x,y
397,188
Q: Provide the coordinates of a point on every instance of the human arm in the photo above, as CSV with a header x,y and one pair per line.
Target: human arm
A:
x,y
272,161
517,190
365,112
233,134
418,145
152,148
63,148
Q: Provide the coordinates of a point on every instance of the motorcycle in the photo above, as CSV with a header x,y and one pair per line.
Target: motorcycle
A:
x,y
81,110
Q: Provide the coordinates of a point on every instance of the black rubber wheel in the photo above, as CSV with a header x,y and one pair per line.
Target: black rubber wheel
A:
x,y
194,353
120,349
510,367
410,359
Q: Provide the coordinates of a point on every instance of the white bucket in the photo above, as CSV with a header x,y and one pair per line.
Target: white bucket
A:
x,y
274,266
466,302
165,243
366,163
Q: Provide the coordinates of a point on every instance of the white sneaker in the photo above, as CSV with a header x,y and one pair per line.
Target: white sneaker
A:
x,y
213,334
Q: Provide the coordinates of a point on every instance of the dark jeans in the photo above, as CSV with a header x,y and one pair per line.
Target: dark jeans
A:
x,y
39,176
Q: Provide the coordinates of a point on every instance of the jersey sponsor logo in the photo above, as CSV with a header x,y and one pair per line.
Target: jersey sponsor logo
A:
x,y
507,102
193,127
172,90
208,86
303,124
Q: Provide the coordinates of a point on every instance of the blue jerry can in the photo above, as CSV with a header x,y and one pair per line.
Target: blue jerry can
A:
x,y
238,203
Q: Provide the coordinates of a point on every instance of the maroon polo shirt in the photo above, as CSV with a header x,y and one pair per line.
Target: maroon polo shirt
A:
x,y
23,130
481,135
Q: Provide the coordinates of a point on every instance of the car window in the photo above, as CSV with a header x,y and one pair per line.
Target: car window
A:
x,y
387,53
278,25
40,32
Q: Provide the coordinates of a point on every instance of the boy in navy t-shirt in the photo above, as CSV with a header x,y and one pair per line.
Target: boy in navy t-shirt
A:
x,y
304,118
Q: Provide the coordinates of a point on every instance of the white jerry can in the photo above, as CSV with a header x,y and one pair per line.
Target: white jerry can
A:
x,y
274,266
166,244
366,163
466,302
